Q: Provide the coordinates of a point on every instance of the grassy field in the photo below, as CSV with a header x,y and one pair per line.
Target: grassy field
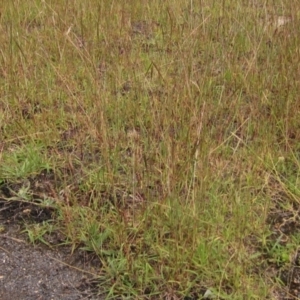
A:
x,y
164,136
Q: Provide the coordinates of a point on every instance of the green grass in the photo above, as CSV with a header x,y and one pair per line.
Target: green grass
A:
x,y
171,130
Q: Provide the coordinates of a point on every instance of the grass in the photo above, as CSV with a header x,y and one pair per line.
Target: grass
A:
x,y
169,133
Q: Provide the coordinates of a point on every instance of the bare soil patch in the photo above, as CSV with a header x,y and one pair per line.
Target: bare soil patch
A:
x,y
37,272
283,260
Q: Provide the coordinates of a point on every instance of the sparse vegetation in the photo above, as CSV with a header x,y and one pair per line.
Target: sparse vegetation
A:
x,y
164,136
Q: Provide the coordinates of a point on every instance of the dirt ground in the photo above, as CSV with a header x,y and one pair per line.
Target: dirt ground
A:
x,y
30,272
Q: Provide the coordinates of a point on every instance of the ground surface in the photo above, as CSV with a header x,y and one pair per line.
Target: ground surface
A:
x,y
38,273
